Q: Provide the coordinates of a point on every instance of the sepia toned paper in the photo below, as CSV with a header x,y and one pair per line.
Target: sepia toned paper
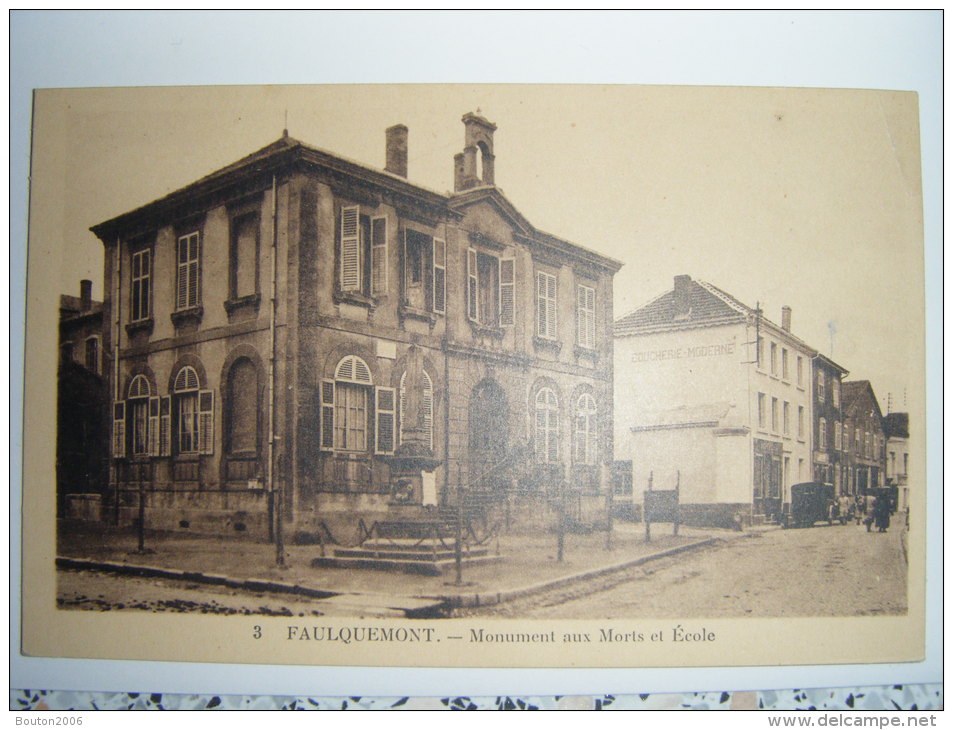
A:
x,y
804,198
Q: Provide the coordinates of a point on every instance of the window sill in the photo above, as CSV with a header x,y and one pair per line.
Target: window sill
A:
x,y
409,312
543,343
582,351
143,325
353,297
186,316
486,329
250,301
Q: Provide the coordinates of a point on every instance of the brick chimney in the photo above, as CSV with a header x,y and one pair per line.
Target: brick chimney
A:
x,y
786,318
396,150
683,299
477,141
85,295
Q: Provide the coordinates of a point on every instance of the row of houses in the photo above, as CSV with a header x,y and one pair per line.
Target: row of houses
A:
x,y
735,408
298,339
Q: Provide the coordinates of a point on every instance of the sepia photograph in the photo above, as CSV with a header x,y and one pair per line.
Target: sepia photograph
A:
x,y
520,375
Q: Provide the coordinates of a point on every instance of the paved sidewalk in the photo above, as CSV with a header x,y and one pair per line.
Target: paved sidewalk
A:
x,y
528,565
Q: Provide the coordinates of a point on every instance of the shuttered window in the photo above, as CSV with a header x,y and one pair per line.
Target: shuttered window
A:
x,y
137,404
327,415
187,272
188,415
154,426
141,285
165,426
586,316
545,305
473,309
427,406
507,292
585,431
119,429
378,256
547,426
345,407
439,276
350,279
385,421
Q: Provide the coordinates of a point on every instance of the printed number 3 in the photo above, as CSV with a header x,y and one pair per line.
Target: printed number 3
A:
x,y
257,632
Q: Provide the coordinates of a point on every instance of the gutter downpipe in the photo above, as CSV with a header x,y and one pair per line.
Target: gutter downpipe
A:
x,y
117,325
276,496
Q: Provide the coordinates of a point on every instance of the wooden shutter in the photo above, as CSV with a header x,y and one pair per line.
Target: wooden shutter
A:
x,y
350,249
428,408
586,315
551,306
327,415
194,270
439,276
165,426
182,273
385,421
473,285
546,305
507,291
119,429
378,256
153,434
206,422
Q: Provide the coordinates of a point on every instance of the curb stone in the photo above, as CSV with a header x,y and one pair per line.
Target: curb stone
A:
x,y
473,600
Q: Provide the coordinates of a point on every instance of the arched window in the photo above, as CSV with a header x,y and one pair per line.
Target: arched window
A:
x,y
427,406
138,413
194,414
241,402
547,426
352,381
585,431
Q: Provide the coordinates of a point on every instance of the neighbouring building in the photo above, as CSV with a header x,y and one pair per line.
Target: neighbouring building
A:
x,y
864,436
305,341
81,430
828,424
897,432
715,397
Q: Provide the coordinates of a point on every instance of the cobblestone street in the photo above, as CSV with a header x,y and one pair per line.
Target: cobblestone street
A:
x,y
820,571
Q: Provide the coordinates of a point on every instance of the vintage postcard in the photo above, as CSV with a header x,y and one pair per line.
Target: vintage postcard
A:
x,y
475,376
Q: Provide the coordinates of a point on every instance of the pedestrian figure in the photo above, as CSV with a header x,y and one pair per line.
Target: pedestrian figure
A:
x,y
881,513
859,508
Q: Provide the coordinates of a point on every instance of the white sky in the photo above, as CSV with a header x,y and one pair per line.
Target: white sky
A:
x,y
809,198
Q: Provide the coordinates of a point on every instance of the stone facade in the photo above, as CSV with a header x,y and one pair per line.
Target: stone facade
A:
x,y
303,337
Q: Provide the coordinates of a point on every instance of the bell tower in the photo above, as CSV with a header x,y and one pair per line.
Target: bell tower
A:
x,y
474,166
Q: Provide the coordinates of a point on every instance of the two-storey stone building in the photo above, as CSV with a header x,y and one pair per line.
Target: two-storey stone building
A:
x,y
713,396
300,336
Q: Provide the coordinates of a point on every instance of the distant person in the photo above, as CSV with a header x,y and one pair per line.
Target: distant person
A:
x,y
881,513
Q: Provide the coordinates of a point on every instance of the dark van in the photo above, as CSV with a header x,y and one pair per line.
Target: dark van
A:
x,y
810,502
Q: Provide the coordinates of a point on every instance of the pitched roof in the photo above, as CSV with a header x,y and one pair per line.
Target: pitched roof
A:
x,y
856,395
709,306
71,306
897,425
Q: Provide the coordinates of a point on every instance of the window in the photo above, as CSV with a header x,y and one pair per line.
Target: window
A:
x,y
347,404
491,283
362,253
586,316
194,413
800,422
774,415
822,435
857,441
760,353
867,444
787,418
545,305
427,406
837,436
820,386
141,285
547,426
187,272
800,370
243,260
845,442
585,431
424,278
92,354
835,392
762,410
138,408
785,370
774,359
